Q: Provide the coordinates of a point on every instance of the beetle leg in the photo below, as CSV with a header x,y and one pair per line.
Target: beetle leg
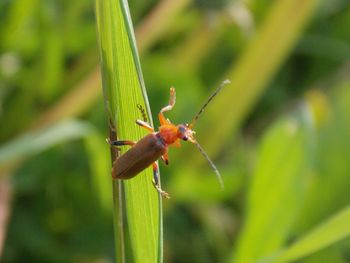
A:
x,y
111,126
155,182
177,143
143,112
165,158
120,143
162,119
145,125
116,144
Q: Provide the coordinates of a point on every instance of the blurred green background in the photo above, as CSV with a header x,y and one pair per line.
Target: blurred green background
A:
x,y
284,153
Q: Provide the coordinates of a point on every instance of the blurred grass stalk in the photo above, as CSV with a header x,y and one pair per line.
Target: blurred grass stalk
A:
x,y
13,153
259,63
280,31
327,233
5,208
123,86
157,22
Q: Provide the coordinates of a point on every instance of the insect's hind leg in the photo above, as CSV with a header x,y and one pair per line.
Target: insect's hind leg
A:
x,y
120,143
116,144
155,182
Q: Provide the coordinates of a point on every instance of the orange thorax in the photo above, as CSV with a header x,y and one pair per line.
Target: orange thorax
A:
x,y
168,132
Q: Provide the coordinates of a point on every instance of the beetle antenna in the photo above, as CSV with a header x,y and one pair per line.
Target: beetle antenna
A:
x,y
225,82
205,155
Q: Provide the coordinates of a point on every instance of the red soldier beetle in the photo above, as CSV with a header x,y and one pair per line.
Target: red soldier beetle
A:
x,y
153,146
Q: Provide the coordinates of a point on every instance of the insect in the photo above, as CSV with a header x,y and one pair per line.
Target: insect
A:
x,y
153,146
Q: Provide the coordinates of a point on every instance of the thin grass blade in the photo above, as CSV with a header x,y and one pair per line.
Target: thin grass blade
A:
x,y
124,89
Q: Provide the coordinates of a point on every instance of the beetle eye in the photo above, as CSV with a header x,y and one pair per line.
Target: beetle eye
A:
x,y
185,138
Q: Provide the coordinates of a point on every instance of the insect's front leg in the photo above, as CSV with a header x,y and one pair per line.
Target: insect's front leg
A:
x,y
155,182
144,124
162,119
143,112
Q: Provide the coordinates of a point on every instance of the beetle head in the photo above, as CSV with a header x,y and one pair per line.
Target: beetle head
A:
x,y
185,133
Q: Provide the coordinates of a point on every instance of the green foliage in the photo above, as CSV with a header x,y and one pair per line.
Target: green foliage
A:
x,y
35,142
329,232
281,176
279,134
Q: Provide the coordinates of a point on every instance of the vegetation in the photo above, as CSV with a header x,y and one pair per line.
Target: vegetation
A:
x,y
279,133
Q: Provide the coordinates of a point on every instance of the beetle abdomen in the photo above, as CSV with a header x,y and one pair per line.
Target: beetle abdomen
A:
x,y
145,152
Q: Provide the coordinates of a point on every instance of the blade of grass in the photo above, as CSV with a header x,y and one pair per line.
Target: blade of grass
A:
x,y
123,88
34,142
261,60
6,193
333,230
282,169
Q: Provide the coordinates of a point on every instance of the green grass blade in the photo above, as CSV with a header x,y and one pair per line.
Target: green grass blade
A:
x,y
282,169
32,143
123,89
329,232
